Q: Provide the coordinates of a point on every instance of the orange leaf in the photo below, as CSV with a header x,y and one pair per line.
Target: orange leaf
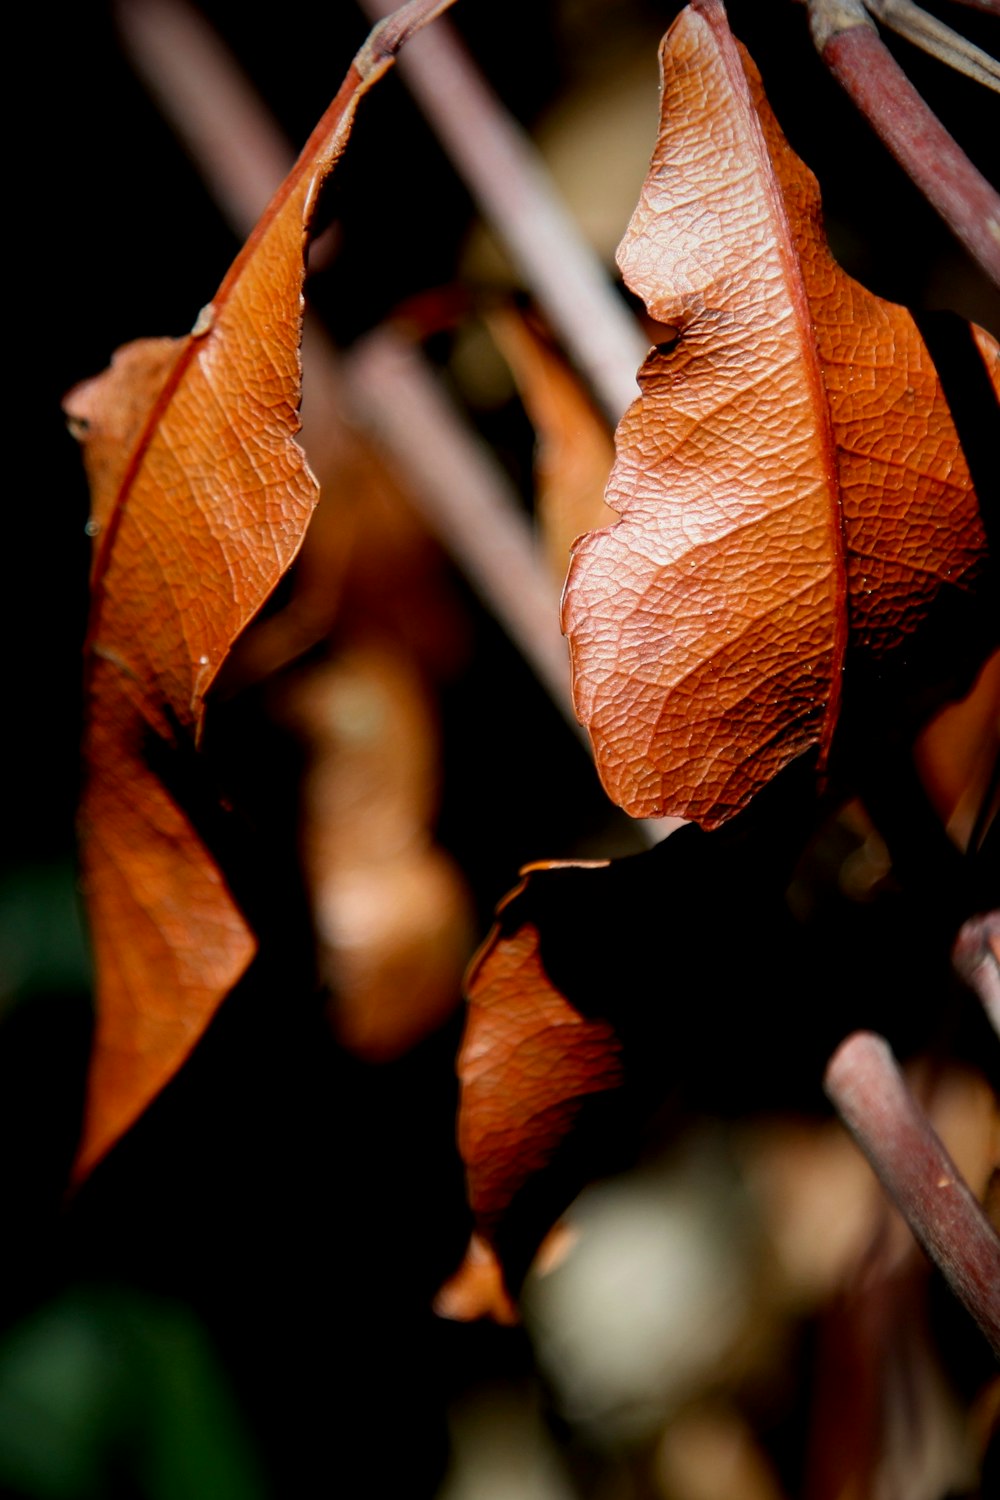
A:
x,y
477,1289
790,480
527,1061
390,908
200,500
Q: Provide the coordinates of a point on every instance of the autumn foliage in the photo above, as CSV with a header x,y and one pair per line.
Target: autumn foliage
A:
x,y
780,622
791,483
201,500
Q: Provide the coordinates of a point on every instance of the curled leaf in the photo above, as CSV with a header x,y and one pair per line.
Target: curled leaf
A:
x,y
201,497
589,1002
790,480
528,1061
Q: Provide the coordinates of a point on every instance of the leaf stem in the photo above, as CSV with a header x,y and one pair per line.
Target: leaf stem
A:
x,y
865,1084
850,47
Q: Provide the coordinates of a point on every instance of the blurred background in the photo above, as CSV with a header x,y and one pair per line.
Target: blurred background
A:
x,y
238,1303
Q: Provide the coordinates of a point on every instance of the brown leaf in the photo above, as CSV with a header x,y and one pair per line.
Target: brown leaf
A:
x,y
201,499
390,908
477,1289
678,975
790,474
527,1062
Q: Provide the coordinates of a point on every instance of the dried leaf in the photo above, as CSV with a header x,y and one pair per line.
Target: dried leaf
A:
x,y
477,1289
391,911
570,1039
528,1060
676,975
201,498
791,472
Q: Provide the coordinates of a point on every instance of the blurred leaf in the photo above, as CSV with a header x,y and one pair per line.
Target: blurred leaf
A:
x,y
392,915
573,450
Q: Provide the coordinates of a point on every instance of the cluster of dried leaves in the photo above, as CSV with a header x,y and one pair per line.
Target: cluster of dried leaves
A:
x,y
802,540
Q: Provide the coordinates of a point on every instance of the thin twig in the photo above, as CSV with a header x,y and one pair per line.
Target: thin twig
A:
x,y
512,186
464,497
850,47
933,36
865,1084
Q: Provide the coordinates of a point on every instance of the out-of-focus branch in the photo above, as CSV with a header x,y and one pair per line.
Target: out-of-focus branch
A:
x,y
238,150
517,197
976,957
465,498
850,47
933,36
868,1089
211,105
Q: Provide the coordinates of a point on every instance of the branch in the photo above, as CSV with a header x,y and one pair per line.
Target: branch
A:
x,y
516,195
464,497
209,103
933,36
850,47
865,1084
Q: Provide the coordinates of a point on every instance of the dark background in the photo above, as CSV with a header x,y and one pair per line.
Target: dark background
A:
x,y
281,1205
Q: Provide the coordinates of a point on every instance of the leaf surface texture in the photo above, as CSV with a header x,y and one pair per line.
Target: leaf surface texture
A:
x,y
790,481
201,497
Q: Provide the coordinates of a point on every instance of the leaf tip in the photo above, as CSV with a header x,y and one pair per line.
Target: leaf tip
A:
x,y
477,1290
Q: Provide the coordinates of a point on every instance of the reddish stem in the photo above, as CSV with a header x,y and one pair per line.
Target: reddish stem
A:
x,y
864,1082
929,155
